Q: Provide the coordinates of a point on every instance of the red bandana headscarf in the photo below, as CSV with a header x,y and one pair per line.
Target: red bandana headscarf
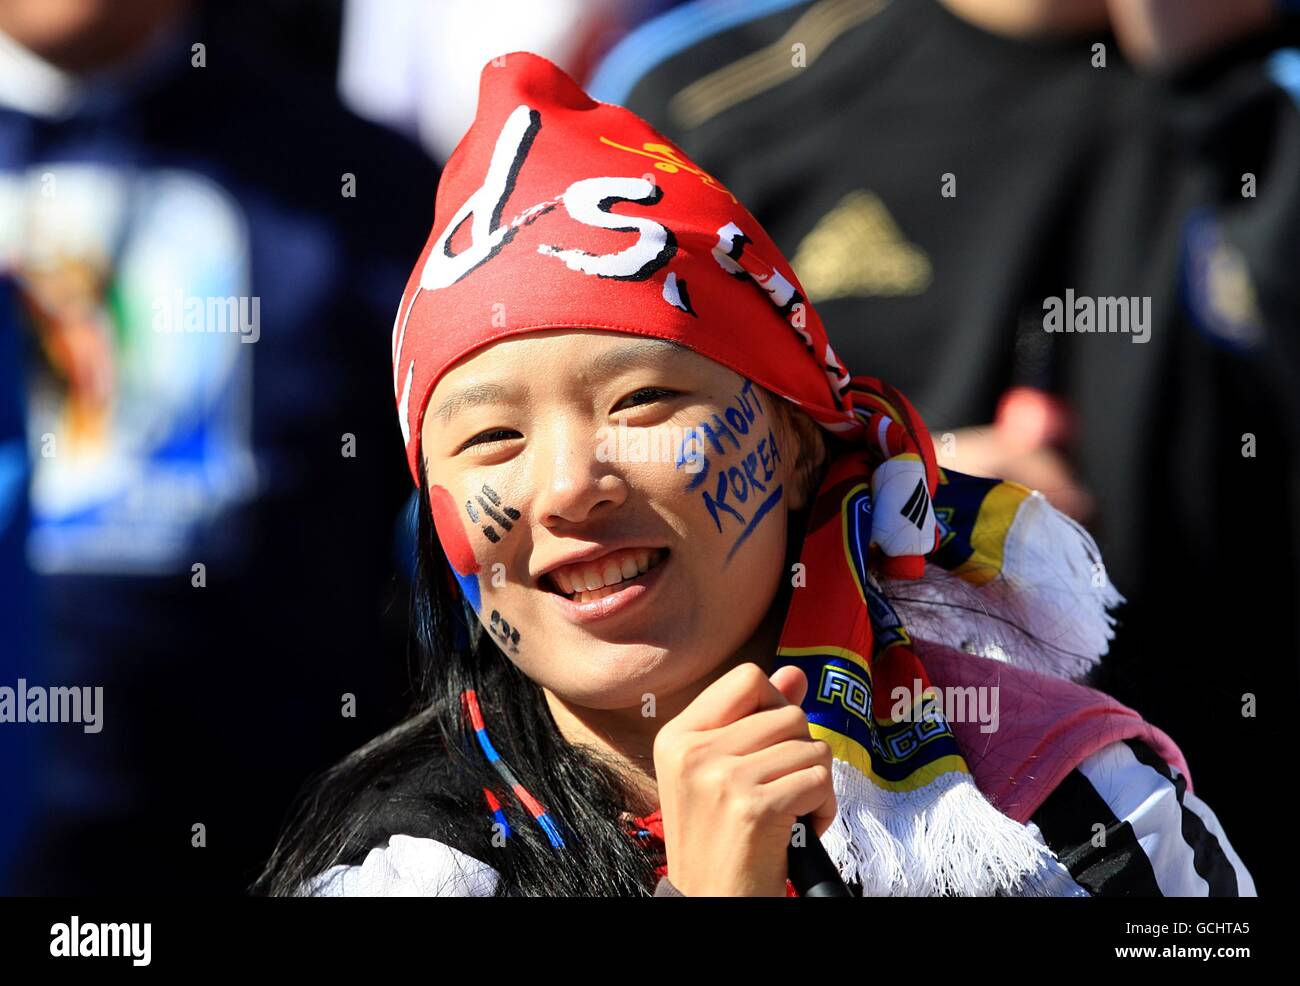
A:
x,y
557,211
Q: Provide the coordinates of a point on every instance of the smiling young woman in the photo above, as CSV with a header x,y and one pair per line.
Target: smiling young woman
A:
x,y
615,577
683,582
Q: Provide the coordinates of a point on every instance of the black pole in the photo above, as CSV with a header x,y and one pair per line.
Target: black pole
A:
x,y
811,870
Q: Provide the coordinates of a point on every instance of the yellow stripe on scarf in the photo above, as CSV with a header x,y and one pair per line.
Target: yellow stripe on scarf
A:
x,y
843,652
989,535
851,752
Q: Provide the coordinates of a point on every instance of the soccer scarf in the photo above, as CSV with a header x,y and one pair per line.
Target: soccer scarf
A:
x,y
910,818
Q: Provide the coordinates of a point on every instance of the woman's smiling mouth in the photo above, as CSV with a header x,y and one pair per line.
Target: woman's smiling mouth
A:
x,y
616,581
588,581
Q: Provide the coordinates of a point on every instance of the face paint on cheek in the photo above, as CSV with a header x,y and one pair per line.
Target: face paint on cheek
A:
x,y
451,533
738,496
495,510
455,543
507,637
490,514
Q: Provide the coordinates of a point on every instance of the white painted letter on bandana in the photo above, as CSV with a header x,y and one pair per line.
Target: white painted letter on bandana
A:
x,y
487,235
587,201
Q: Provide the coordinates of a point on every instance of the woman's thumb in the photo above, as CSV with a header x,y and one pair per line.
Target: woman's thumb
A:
x,y
790,682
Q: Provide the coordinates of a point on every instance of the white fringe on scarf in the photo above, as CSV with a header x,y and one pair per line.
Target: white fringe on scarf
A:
x,y
1046,611
944,839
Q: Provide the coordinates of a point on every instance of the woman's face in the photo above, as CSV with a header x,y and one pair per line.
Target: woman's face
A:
x,y
624,501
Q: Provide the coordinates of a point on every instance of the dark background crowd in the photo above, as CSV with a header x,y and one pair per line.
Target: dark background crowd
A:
x,y
212,526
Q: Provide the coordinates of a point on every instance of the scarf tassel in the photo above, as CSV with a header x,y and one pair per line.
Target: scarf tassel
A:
x,y
1045,610
944,839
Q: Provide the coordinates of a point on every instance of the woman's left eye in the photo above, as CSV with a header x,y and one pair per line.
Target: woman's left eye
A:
x,y
486,437
644,396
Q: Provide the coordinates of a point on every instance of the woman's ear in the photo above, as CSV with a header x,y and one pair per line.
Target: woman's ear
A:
x,y
805,450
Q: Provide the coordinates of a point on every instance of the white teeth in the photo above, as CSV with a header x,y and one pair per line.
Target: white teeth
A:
x,y
589,583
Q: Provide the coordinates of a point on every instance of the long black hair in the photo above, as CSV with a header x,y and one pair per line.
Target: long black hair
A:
x,y
427,776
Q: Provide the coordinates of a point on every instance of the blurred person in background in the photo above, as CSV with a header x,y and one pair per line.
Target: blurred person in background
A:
x,y
16,651
203,249
939,169
413,65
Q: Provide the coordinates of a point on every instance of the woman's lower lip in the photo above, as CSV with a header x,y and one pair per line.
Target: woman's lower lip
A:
x,y
615,602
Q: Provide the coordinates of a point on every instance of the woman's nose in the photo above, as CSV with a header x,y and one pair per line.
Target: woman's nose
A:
x,y
574,485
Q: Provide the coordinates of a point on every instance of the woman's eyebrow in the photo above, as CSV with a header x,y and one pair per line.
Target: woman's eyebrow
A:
x,y
471,396
647,354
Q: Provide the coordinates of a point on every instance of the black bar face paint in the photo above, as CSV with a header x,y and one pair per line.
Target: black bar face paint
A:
x,y
506,636
489,501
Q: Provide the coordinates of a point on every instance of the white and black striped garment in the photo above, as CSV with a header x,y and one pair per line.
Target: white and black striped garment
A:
x,y
1124,824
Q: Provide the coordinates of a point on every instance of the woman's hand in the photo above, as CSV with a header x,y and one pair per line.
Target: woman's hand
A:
x,y
735,769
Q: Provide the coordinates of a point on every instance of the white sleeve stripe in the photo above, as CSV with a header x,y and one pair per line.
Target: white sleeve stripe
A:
x,y
1148,802
1245,882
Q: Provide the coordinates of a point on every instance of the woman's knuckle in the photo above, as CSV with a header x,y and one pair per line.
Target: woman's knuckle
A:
x,y
821,775
793,718
706,772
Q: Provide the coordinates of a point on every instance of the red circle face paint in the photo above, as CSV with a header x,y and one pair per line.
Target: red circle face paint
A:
x,y
451,532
